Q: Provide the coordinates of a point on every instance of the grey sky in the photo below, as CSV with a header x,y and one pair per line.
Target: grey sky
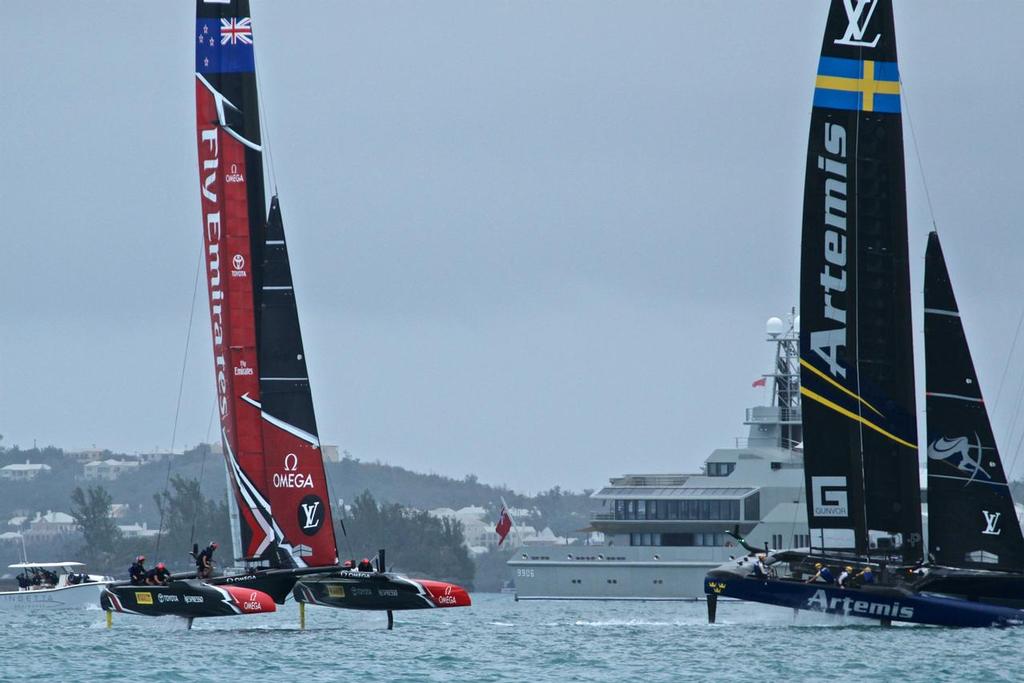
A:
x,y
532,240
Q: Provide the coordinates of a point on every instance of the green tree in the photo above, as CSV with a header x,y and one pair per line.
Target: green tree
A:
x,y
91,510
416,543
189,517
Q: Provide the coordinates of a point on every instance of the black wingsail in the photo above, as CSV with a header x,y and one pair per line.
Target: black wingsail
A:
x,y
971,518
856,346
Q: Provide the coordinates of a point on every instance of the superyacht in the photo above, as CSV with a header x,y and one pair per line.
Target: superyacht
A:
x,y
664,532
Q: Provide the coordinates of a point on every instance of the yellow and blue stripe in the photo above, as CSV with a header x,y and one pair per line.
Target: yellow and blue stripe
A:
x,y
857,85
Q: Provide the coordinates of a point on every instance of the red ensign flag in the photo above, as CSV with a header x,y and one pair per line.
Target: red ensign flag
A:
x,y
504,525
758,382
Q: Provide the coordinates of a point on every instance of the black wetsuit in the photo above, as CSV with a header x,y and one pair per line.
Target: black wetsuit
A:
x,y
365,566
158,576
137,574
204,562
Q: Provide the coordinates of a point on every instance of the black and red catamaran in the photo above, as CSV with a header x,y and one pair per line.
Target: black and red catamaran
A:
x,y
280,506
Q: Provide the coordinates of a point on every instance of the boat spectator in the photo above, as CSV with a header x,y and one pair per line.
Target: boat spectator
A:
x,y
23,581
821,572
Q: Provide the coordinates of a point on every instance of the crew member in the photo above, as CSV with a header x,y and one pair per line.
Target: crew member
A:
x,y
204,561
365,565
159,575
137,572
349,565
845,576
821,572
760,568
865,576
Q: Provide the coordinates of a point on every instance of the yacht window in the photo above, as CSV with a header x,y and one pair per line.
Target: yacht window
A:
x,y
752,507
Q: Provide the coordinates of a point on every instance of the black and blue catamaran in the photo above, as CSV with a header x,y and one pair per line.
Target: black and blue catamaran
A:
x,y
856,355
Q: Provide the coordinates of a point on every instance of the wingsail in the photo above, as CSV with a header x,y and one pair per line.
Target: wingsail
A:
x,y
280,506
856,350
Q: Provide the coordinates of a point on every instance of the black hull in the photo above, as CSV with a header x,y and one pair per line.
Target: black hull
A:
x,y
994,588
373,591
187,598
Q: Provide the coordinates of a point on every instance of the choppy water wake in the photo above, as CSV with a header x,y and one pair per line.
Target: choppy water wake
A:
x,y
501,640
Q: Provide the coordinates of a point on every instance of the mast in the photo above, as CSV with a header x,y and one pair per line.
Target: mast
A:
x,y
971,517
856,349
272,452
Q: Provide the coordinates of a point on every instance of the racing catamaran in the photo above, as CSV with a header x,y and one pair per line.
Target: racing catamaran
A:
x,y
856,355
282,528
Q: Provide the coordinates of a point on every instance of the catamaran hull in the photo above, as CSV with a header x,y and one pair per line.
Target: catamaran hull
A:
x,y
190,599
372,591
68,597
996,588
879,603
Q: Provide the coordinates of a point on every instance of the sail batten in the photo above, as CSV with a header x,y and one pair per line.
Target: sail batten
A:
x,y
856,350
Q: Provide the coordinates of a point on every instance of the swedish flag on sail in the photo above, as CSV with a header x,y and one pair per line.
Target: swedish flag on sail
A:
x,y
858,85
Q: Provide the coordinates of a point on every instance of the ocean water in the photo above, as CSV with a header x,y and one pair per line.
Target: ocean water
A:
x,y
499,639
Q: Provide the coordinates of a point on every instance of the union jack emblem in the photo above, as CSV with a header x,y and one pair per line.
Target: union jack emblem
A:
x,y
236,31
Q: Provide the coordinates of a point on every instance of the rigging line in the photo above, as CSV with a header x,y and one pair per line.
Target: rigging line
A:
x,y
917,153
202,472
181,389
1009,358
264,124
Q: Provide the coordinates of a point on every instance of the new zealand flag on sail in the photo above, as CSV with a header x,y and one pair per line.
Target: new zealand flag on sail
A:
x,y
224,45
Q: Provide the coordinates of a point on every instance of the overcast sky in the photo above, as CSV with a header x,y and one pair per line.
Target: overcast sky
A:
x,y
533,240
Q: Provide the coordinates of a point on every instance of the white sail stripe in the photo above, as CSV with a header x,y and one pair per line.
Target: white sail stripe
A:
x,y
956,396
284,379
291,429
277,287
940,311
245,397
249,493
967,479
276,531
274,242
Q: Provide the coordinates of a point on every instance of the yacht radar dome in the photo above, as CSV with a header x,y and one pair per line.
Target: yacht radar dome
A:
x,y
774,327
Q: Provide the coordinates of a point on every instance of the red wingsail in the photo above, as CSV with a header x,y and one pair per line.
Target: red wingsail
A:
x,y
281,507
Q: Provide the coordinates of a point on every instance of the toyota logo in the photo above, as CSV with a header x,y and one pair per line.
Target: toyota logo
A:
x,y
238,262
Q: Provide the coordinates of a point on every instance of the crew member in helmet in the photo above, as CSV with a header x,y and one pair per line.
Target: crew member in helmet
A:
x,y
365,565
137,572
822,572
204,561
866,576
159,575
349,565
845,577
